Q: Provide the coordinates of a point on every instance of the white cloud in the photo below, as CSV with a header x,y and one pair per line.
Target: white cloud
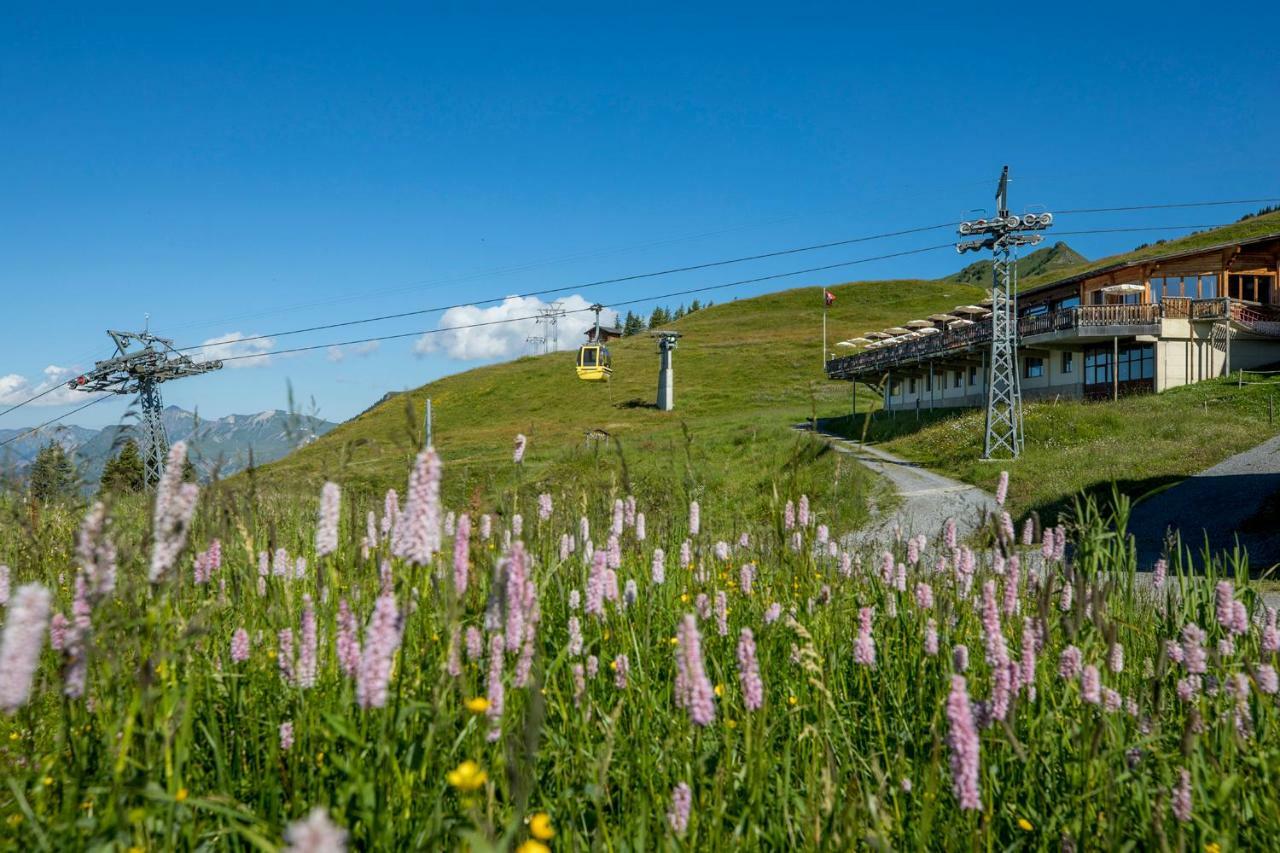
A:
x,y
336,354
232,345
14,388
503,339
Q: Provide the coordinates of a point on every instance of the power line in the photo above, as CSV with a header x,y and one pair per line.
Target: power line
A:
x,y
653,297
599,283
36,429
707,265
48,390
1170,206
534,316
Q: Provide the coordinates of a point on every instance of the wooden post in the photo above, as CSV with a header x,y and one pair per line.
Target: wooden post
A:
x,y
1115,369
428,422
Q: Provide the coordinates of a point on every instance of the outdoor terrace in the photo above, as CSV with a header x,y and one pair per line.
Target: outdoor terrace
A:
x,y
1077,323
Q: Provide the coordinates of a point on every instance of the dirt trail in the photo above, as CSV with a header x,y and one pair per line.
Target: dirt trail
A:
x,y
928,499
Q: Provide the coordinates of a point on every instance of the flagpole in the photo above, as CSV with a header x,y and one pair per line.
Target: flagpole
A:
x,y
824,330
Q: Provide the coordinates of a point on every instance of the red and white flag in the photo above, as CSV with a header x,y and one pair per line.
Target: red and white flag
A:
x,y
828,297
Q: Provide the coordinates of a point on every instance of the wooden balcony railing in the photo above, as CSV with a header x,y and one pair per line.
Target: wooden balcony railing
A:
x,y
1119,315
1176,307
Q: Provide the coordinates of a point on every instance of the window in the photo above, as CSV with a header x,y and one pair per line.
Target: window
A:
x,y
1097,366
973,376
588,358
1208,287
895,388
1032,367
1098,297
957,380
928,382
1136,362
911,385
1068,362
1069,302
1035,310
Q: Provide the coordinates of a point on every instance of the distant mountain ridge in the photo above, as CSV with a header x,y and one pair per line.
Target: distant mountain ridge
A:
x,y
222,445
1050,259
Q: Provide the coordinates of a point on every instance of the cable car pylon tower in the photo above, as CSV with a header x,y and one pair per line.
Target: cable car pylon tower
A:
x,y
140,371
1003,235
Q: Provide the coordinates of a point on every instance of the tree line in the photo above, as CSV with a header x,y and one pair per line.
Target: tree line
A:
x,y
661,316
54,476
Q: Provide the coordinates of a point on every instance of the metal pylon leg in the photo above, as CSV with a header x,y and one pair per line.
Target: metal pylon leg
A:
x,y
155,443
1004,391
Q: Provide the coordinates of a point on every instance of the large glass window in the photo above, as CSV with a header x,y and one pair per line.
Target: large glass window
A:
x,y
1068,361
958,381
1208,287
973,376
911,385
1135,362
1033,367
1097,366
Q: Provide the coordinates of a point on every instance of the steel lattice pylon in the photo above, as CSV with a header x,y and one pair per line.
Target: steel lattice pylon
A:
x,y
1004,391
140,371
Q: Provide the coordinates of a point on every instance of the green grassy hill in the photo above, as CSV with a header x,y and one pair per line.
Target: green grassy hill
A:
x,y
745,372
1047,262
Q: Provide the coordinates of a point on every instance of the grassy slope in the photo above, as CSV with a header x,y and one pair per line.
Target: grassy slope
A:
x,y
1142,443
745,371
1256,226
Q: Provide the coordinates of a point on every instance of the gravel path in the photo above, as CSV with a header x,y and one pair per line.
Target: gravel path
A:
x,y
928,499
1217,501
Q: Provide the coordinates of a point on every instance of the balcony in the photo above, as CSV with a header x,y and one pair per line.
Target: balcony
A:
x,y
1082,323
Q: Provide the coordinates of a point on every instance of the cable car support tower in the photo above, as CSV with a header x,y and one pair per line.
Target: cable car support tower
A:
x,y
140,371
1003,235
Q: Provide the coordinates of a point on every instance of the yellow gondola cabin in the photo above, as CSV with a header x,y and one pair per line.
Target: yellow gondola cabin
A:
x,y
593,362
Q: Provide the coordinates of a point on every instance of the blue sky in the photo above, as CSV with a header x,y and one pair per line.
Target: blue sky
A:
x,y
236,173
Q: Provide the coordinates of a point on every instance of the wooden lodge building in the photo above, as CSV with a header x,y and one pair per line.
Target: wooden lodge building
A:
x,y
1141,325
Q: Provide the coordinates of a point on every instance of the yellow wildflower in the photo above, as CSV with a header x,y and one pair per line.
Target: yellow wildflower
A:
x,y
532,846
1213,847
607,635
540,827
791,700
684,597
48,780
478,705
1024,824
733,724
720,690
181,796
467,776
13,735
14,819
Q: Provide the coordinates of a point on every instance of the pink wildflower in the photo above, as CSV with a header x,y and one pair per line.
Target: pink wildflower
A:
x,y
381,640
462,554
517,453
327,524
418,535
23,638
931,638
695,518
693,688
1159,574
1182,797
347,640
864,647
175,505
960,657
658,571
749,671
1069,663
240,646
286,735
1090,685
1002,488
316,834
963,741
681,801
